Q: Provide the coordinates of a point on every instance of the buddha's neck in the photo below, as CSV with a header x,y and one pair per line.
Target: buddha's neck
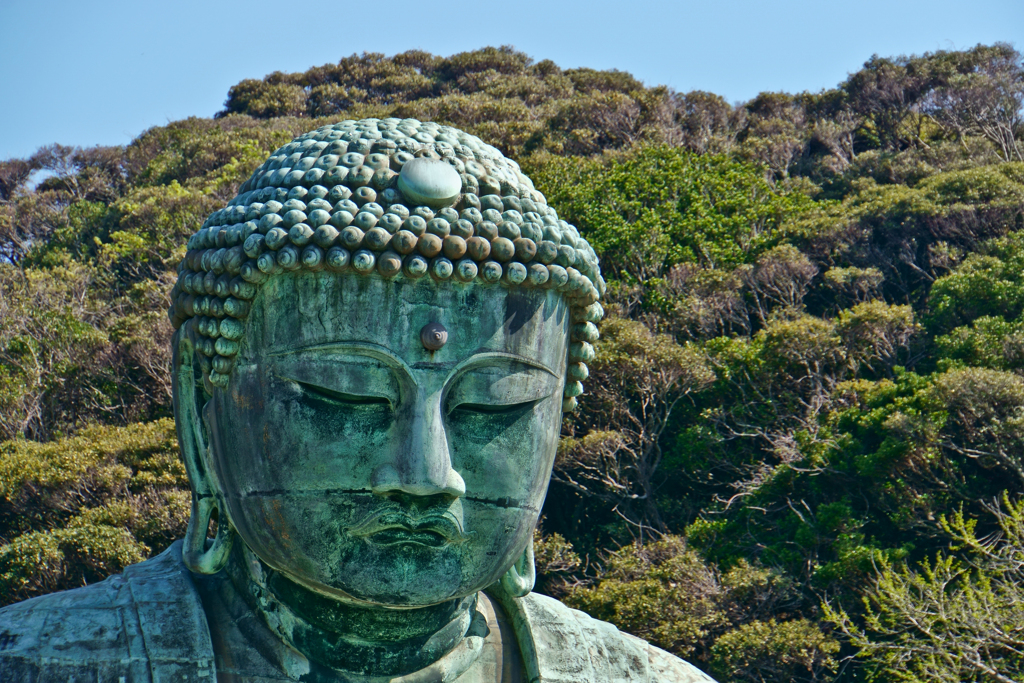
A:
x,y
348,636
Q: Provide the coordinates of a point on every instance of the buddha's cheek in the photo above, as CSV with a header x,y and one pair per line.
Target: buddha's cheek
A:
x,y
497,536
271,437
506,458
302,536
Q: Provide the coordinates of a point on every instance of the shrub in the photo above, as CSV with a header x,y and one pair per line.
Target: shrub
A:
x,y
795,651
76,510
45,561
957,618
667,594
661,592
654,207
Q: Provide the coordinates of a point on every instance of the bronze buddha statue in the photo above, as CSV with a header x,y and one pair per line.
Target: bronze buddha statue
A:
x,y
375,342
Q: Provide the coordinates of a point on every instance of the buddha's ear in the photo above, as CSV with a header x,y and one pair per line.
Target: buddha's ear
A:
x,y
519,580
191,393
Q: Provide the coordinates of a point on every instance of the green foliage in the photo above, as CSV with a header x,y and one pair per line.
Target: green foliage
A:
x,y
989,283
984,412
877,335
553,554
794,650
661,592
76,510
957,618
554,559
265,100
989,342
639,378
45,561
905,232
49,350
651,209
1000,185
206,153
497,93
68,356
667,594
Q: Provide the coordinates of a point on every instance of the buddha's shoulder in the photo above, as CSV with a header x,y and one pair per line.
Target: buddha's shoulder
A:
x,y
145,624
560,644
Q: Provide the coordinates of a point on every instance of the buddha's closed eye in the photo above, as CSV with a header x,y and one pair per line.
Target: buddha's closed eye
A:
x,y
341,397
490,408
339,382
499,389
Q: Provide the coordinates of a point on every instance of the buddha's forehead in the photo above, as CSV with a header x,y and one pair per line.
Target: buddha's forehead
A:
x,y
310,310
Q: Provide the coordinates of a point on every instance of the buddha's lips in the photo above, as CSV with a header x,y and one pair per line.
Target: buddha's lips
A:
x,y
394,527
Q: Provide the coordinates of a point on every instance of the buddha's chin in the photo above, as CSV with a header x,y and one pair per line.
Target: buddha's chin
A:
x,y
345,597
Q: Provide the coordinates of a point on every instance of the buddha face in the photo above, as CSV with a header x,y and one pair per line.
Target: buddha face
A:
x,y
365,466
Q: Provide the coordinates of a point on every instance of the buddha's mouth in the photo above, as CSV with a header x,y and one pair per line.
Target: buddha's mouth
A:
x,y
397,528
398,535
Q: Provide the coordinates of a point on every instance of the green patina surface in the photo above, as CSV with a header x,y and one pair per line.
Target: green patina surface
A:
x,y
374,443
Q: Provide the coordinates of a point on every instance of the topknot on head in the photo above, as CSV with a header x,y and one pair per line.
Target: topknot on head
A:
x,y
394,198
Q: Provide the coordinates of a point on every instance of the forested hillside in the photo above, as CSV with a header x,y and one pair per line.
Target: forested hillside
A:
x,y
801,453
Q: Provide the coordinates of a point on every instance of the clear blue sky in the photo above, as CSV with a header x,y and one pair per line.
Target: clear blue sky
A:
x,y
87,73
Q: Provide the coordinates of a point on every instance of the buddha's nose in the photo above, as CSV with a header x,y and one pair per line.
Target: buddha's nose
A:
x,y
421,466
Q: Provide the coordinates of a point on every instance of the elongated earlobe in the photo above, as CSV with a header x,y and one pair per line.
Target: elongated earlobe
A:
x,y
518,581
199,554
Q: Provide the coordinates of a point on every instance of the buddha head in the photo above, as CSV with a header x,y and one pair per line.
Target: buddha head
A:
x,y
375,343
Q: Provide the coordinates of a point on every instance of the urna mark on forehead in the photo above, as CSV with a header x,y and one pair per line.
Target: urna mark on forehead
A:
x,y
396,199
310,310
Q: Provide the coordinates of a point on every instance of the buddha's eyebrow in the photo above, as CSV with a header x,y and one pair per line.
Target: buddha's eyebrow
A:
x,y
356,348
482,356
